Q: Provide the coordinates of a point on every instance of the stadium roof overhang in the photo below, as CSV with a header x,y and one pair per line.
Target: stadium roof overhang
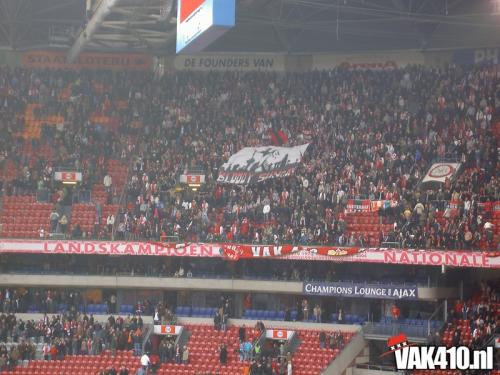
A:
x,y
126,25
290,26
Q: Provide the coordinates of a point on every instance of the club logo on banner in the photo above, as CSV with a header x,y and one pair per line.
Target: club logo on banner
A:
x,y
344,289
167,330
439,172
256,164
278,334
236,252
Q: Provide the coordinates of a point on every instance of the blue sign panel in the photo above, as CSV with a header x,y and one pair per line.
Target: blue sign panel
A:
x,y
360,290
477,56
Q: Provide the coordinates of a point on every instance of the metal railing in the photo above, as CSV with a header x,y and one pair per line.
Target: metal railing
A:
x,y
440,310
146,337
415,332
260,341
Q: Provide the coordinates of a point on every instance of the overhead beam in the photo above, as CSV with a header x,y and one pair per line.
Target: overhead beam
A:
x,y
102,11
124,37
112,24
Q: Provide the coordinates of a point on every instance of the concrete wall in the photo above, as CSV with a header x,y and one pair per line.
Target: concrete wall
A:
x,y
232,322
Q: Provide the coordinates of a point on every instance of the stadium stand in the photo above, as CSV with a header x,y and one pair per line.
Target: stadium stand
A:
x,y
308,208
373,136
472,322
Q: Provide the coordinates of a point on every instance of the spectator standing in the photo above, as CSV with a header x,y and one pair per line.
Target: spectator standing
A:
x,y
54,221
185,355
217,320
63,224
145,362
110,222
136,339
107,182
317,314
223,354
322,339
396,313
305,309
223,320
340,316
242,333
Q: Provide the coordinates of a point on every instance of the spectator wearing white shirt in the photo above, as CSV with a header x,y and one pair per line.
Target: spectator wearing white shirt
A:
x,y
110,221
107,182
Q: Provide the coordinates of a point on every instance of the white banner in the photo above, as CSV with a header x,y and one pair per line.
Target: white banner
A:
x,y
167,330
192,179
226,62
438,172
256,164
68,176
278,334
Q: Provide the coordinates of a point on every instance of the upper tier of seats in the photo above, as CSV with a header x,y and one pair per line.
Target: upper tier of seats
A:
x,y
373,135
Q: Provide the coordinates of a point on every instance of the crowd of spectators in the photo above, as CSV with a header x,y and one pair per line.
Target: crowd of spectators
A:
x,y
73,301
473,323
75,142
259,357
17,345
68,334
373,135
482,314
332,340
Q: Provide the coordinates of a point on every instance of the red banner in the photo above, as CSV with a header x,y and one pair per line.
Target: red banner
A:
x,y
86,60
451,258
236,252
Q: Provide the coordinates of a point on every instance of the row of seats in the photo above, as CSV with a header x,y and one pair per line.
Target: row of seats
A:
x,y
195,311
307,360
280,315
127,309
80,365
265,314
62,307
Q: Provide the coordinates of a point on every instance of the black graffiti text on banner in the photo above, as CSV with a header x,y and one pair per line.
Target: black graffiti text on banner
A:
x,y
255,164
